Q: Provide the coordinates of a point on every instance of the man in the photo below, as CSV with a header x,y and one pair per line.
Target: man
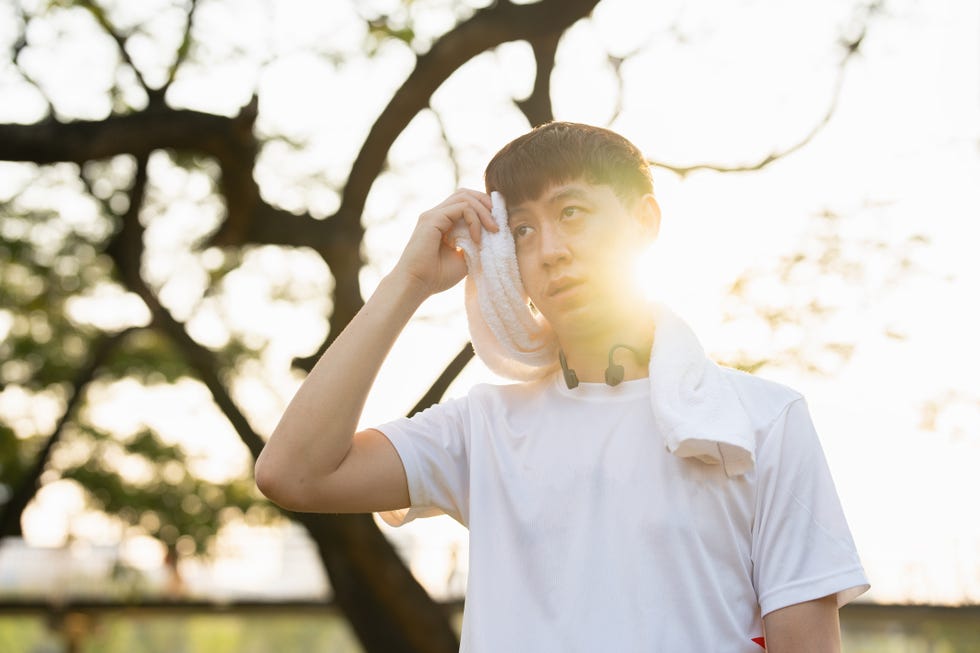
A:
x,y
586,533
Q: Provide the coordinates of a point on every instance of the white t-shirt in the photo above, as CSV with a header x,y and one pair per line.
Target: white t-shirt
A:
x,y
586,534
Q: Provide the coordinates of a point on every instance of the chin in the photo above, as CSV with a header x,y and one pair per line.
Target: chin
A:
x,y
582,322
597,318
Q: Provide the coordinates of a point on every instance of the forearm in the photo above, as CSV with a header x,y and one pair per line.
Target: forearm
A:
x,y
315,431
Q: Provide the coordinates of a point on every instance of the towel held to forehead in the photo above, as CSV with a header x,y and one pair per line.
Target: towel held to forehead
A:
x,y
694,407
511,340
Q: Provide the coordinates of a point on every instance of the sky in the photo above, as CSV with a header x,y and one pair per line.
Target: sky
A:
x,y
706,82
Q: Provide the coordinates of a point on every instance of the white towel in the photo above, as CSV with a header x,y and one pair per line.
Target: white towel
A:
x,y
699,413
506,335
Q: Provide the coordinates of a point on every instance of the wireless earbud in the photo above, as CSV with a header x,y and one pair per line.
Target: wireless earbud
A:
x,y
571,379
614,373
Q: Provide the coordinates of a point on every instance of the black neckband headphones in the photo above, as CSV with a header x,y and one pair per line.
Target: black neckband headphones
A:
x,y
614,373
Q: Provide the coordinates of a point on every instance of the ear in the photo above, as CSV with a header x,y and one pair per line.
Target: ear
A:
x,y
647,212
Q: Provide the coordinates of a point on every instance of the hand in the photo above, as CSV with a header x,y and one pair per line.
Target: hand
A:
x,y
431,263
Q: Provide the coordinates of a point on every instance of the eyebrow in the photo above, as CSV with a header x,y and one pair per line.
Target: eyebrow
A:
x,y
563,193
567,192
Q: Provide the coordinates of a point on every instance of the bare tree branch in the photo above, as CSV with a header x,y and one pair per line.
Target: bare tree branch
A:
x,y
182,50
100,17
617,67
537,106
137,133
769,158
435,392
453,158
17,48
488,28
229,140
232,143
126,250
851,48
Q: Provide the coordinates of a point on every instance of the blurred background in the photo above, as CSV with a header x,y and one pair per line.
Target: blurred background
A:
x,y
196,196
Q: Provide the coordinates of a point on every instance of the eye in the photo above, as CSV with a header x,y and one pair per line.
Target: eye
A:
x,y
522,230
570,211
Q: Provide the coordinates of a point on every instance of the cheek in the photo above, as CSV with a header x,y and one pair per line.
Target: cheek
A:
x,y
524,268
613,262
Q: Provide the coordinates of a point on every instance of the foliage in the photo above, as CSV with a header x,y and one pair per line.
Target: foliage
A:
x,y
162,498
789,311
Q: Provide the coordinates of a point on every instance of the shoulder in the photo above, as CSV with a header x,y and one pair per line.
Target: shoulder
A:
x,y
765,401
785,436
760,396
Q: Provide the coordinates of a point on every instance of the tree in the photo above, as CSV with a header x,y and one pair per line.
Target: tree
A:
x,y
111,166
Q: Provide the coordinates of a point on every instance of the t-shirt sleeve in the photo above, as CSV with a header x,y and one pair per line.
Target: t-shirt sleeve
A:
x,y
434,449
802,548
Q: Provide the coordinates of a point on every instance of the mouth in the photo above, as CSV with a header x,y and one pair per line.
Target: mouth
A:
x,y
563,285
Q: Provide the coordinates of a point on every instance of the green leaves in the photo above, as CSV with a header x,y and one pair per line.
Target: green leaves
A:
x,y
146,484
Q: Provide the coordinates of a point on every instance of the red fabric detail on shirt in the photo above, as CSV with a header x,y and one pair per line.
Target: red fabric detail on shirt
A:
x,y
761,641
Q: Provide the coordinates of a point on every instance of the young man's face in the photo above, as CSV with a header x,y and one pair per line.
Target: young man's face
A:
x,y
576,246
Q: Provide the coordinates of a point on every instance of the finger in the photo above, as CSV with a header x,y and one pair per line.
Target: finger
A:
x,y
482,204
465,208
473,221
482,197
472,212
446,217
483,207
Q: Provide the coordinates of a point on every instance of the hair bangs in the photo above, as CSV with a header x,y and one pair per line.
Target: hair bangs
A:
x,y
524,176
559,152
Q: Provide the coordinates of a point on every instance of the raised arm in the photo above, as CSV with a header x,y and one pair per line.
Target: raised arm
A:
x,y
314,461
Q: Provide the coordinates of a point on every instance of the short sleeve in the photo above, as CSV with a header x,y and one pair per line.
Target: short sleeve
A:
x,y
802,548
433,447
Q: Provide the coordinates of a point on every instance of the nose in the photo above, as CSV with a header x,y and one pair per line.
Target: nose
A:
x,y
554,246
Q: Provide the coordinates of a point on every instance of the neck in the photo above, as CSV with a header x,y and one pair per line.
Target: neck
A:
x,y
588,352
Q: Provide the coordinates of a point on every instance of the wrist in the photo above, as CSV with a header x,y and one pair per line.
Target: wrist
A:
x,y
403,288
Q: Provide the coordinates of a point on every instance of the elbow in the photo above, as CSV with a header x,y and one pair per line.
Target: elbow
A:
x,y
272,482
265,479
289,477
282,484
